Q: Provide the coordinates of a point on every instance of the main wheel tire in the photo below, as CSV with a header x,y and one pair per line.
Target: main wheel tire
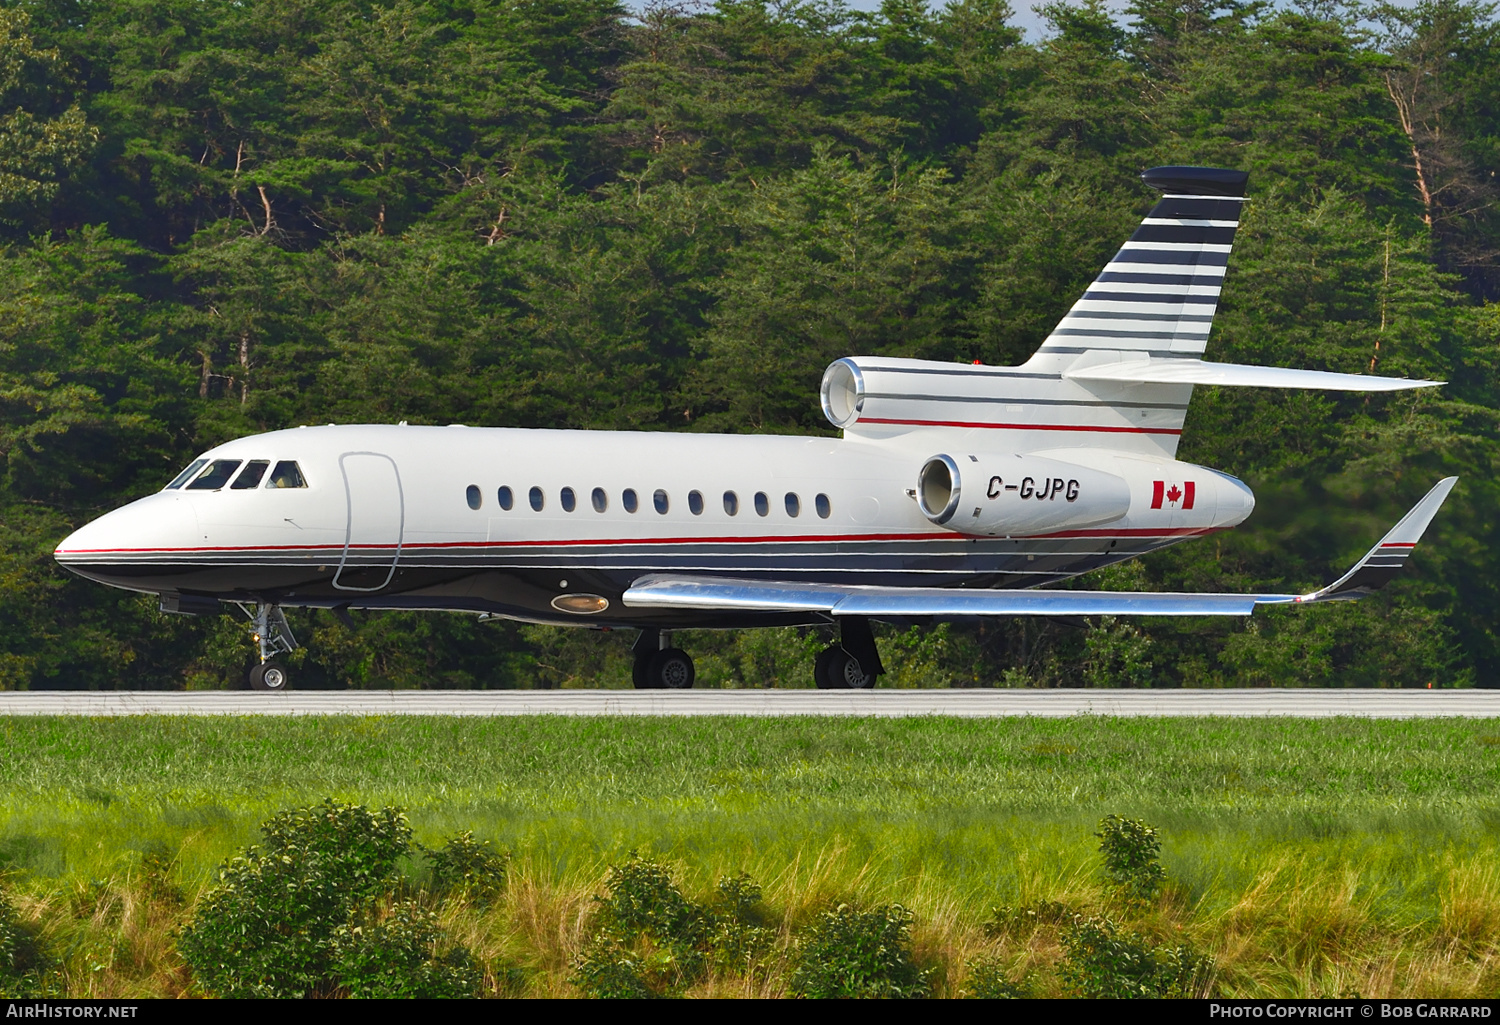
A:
x,y
270,676
836,669
823,669
640,672
672,669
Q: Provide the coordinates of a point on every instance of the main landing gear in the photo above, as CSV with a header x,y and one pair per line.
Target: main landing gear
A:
x,y
658,665
274,637
853,663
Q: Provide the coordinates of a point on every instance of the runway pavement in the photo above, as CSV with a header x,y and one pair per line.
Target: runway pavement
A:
x,y
1315,704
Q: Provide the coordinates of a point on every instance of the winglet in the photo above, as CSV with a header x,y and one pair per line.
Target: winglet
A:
x,y
1385,560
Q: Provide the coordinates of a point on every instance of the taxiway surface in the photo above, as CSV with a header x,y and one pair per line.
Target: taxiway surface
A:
x,y
1309,703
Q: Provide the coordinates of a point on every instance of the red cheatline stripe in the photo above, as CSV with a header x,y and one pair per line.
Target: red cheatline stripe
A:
x,y
799,538
1022,427
1399,544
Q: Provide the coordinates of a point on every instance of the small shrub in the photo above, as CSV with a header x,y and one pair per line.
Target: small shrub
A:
x,y
738,939
650,935
399,957
1130,849
1101,962
643,901
986,979
1005,919
468,866
607,971
268,928
853,952
652,940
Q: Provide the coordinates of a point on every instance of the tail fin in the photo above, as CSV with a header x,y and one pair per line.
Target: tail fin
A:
x,y
1120,367
1157,297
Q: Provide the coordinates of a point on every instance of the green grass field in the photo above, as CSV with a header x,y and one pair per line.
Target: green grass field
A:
x,y
1310,857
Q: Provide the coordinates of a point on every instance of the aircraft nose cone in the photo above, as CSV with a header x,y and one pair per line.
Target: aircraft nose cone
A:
x,y
140,529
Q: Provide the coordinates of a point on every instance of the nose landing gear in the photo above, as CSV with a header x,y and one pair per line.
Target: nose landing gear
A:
x,y
274,637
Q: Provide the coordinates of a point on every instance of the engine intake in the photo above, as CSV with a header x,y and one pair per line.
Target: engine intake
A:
x,y
1005,495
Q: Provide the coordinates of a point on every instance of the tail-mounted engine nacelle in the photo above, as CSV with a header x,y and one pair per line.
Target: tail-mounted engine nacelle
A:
x,y
1005,495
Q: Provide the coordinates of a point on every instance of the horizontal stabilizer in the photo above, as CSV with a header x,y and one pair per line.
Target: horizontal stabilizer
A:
x,y
1234,375
673,591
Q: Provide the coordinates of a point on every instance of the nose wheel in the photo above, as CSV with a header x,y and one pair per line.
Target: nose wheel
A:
x,y
273,636
269,677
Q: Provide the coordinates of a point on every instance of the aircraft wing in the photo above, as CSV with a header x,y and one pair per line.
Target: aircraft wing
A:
x,y
1196,371
674,591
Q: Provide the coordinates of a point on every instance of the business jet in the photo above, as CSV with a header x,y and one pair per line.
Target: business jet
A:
x,y
955,490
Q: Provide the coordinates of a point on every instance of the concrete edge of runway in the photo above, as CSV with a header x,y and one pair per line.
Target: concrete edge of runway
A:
x,y
967,703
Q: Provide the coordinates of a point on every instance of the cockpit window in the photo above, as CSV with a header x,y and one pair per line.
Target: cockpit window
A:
x,y
287,475
187,475
250,476
216,476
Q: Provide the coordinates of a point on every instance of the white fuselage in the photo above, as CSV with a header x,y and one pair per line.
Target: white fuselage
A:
x,y
388,519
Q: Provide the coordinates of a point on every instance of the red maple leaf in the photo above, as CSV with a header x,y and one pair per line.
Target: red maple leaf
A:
x,y
1174,494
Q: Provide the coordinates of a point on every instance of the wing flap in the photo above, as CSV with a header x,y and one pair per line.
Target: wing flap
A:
x,y
1196,371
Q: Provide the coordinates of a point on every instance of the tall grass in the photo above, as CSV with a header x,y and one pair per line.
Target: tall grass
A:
x,y
1309,857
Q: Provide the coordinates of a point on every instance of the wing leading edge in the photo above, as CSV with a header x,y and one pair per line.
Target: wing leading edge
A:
x,y
673,591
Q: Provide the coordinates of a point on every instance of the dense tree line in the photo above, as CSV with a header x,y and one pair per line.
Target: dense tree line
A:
x,y
230,216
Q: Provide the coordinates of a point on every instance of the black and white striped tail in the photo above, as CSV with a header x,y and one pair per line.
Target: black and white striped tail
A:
x,y
1158,295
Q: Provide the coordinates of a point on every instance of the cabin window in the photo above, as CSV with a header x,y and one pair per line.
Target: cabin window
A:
x,y
187,475
216,476
659,499
250,476
569,500
824,507
471,493
537,500
506,496
287,475
600,500
695,503
793,504
731,503
762,503
627,499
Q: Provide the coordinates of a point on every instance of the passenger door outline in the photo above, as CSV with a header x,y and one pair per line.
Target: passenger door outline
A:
x,y
349,521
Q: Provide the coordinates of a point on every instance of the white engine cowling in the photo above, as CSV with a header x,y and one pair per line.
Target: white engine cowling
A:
x,y
1004,495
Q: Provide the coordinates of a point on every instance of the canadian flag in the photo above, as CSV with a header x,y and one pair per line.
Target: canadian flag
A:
x,y
1173,494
